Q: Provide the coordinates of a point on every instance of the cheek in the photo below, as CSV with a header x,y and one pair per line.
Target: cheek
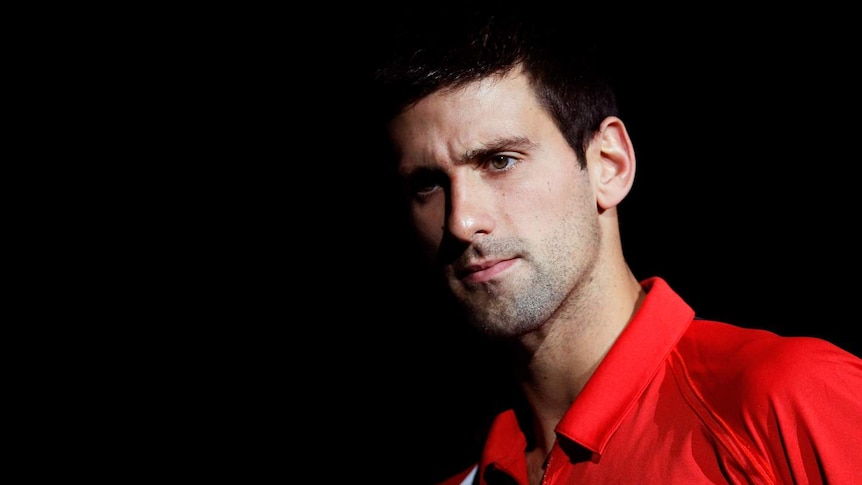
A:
x,y
553,201
428,223
543,197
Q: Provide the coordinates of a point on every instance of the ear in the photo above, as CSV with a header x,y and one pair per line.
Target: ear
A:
x,y
611,159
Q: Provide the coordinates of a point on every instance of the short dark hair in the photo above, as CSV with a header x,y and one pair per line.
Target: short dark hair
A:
x,y
433,50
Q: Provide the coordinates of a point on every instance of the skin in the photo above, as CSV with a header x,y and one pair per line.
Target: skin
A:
x,y
526,239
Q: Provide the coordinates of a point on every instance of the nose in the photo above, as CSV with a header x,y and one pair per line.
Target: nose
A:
x,y
470,210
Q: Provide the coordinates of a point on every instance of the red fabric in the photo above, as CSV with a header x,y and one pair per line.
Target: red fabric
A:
x,y
458,478
682,400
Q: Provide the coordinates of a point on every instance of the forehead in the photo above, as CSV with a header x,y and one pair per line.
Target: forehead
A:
x,y
454,121
499,92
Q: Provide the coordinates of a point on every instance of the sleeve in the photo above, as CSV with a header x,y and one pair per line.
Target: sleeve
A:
x,y
812,428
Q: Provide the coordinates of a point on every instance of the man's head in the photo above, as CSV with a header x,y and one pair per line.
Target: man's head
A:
x,y
512,161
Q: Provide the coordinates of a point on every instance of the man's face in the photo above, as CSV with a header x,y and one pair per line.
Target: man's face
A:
x,y
499,200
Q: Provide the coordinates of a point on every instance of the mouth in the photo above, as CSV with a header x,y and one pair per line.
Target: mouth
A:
x,y
481,272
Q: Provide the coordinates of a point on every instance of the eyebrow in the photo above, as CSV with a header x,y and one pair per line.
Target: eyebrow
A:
x,y
497,145
490,148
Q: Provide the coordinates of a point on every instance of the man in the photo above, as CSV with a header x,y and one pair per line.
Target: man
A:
x,y
513,161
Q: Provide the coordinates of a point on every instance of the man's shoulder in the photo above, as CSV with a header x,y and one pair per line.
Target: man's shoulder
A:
x,y
747,346
756,362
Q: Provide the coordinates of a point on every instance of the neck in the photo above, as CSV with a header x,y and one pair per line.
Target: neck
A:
x,y
555,362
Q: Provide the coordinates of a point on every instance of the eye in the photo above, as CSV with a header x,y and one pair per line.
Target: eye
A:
x,y
423,183
501,163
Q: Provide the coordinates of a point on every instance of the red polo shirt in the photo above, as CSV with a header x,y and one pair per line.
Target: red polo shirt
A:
x,y
680,400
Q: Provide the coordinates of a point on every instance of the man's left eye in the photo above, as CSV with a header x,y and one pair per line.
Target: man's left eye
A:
x,y
501,162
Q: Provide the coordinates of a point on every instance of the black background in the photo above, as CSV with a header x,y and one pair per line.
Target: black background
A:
x,y
746,133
